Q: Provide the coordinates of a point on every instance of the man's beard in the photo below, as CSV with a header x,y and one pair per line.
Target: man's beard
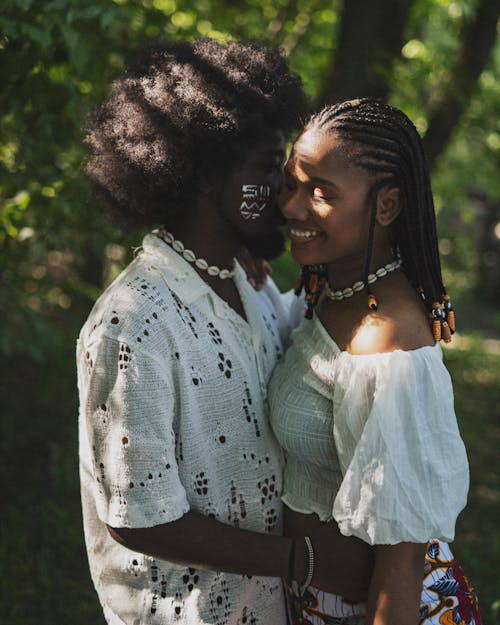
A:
x,y
267,246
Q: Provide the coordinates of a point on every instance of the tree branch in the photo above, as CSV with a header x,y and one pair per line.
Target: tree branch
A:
x,y
478,38
371,37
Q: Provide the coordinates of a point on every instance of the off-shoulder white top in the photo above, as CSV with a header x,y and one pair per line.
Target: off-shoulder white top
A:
x,y
370,440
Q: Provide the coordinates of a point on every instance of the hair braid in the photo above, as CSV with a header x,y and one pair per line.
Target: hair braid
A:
x,y
383,141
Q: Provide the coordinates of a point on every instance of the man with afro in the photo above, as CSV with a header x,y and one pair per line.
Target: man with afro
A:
x,y
181,476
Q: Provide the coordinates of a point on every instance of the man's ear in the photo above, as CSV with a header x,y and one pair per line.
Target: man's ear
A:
x,y
388,205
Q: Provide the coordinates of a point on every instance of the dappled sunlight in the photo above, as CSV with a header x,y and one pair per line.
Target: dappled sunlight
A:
x,y
56,248
467,341
368,338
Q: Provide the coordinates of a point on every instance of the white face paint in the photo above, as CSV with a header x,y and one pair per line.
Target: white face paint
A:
x,y
255,199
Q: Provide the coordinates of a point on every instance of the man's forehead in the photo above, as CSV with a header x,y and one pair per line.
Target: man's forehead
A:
x,y
270,144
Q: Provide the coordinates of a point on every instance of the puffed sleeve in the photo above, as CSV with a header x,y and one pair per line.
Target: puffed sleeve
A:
x,y
405,467
127,441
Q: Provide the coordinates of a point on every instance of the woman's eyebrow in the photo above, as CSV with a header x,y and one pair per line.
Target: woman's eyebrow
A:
x,y
315,179
319,180
312,178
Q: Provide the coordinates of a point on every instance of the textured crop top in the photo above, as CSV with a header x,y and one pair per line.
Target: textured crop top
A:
x,y
371,441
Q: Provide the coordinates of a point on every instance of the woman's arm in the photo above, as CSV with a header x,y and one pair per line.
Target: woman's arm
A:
x,y
396,585
199,541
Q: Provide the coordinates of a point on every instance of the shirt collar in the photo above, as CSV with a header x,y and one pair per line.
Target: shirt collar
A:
x,y
183,279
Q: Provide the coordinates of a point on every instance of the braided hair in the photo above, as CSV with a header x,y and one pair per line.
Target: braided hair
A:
x,y
383,141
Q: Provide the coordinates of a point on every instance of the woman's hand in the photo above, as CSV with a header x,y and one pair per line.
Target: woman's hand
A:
x,y
257,269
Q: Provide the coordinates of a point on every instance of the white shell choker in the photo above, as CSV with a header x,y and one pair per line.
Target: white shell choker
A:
x,y
190,256
359,286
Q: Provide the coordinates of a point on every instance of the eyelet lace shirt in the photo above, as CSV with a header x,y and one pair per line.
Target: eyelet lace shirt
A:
x,y
173,417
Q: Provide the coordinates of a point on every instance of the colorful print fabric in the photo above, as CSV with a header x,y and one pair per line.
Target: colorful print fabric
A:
x,y
447,597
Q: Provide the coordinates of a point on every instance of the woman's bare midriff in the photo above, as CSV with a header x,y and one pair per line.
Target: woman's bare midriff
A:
x,y
298,524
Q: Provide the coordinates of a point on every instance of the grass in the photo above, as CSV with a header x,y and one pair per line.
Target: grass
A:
x,y
474,364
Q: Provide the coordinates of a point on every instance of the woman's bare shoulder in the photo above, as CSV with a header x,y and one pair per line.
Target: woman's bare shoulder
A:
x,y
399,324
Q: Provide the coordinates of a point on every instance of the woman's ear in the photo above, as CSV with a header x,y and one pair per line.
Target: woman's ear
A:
x,y
388,205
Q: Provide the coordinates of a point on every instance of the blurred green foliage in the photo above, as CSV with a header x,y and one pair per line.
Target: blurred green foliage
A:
x,y
57,58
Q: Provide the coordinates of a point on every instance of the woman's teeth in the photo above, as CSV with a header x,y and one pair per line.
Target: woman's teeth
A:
x,y
304,234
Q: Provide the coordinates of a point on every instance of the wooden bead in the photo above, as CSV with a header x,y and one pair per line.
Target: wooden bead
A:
x,y
436,329
313,283
372,302
451,320
445,332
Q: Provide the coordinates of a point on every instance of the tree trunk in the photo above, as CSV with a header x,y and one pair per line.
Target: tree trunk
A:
x,y
371,37
487,222
478,38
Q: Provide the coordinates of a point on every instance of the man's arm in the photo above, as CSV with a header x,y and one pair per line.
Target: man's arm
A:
x,y
199,541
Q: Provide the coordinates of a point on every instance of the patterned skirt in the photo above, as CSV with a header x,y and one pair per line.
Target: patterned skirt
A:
x,y
447,597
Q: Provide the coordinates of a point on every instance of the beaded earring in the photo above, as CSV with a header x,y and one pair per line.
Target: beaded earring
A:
x,y
312,279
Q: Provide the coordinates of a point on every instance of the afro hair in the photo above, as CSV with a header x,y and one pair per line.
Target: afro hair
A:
x,y
182,118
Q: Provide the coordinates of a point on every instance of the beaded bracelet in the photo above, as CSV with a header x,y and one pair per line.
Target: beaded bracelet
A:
x,y
310,566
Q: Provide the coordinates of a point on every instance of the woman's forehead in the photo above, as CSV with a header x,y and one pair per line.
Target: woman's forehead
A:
x,y
316,149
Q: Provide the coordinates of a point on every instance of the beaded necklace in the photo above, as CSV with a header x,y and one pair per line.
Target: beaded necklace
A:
x,y
190,256
359,286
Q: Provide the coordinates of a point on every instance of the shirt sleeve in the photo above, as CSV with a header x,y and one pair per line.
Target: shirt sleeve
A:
x,y
127,439
405,467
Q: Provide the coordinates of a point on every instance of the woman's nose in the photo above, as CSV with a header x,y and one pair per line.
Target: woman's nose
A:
x,y
292,206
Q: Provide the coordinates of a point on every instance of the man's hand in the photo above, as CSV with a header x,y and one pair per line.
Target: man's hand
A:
x,y
343,564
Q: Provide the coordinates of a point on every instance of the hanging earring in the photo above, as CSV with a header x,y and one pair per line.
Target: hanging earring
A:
x,y
312,279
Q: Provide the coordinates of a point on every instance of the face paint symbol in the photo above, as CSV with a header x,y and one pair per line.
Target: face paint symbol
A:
x,y
259,194
253,191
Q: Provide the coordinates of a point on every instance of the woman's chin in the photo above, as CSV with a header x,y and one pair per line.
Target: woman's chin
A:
x,y
303,258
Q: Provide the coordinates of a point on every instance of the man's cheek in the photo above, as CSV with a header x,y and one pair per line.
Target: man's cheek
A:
x,y
255,199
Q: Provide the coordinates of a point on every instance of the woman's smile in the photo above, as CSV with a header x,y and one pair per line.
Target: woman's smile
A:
x,y
303,235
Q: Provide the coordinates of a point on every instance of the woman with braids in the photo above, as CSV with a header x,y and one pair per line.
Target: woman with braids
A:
x,y
180,471
362,404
